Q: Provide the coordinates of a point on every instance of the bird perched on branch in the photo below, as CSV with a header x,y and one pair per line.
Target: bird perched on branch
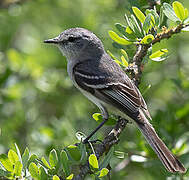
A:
x,y
103,82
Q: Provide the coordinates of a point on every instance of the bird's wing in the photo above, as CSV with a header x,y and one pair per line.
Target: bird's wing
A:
x,y
112,86
107,87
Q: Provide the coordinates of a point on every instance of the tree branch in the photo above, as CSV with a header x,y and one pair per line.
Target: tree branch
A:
x,y
142,50
166,34
110,140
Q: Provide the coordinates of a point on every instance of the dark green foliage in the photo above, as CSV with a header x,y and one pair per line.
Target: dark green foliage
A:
x,y
40,108
58,165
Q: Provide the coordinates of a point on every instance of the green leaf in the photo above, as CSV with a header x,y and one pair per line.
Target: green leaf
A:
x,y
13,157
156,17
117,46
107,158
179,10
4,173
147,39
83,151
42,173
139,14
53,159
156,55
118,39
111,120
185,13
33,169
98,117
6,162
136,26
17,168
18,152
74,152
103,172
127,21
64,161
80,136
149,52
121,28
126,31
55,177
25,158
70,177
169,12
32,158
161,18
124,58
158,59
125,54
147,23
119,154
124,61
152,22
130,28
93,161
45,163
130,34
112,56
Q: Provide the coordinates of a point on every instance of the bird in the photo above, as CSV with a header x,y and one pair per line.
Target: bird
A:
x,y
105,83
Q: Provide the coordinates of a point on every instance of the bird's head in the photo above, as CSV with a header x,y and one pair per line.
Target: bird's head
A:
x,y
77,42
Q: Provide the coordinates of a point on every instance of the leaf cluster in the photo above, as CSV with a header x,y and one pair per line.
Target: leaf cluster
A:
x,y
142,28
59,164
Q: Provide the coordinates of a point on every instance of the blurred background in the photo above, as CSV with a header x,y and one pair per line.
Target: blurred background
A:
x,y
40,108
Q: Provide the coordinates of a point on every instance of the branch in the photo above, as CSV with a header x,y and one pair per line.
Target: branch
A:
x,y
142,49
141,52
166,34
110,140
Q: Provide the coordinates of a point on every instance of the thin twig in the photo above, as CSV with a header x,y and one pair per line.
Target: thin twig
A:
x,y
110,140
142,50
137,62
166,34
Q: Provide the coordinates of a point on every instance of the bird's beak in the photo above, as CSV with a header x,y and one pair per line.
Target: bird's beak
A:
x,y
52,41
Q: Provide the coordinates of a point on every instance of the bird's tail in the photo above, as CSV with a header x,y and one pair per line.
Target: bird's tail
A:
x,y
170,162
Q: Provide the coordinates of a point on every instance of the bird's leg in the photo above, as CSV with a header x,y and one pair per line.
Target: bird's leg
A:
x,y
105,115
93,132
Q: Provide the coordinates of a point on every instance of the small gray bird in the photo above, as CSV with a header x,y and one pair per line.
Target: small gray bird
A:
x,y
103,82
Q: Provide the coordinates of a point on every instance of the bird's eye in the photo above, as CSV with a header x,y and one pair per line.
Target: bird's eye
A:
x,y
71,39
